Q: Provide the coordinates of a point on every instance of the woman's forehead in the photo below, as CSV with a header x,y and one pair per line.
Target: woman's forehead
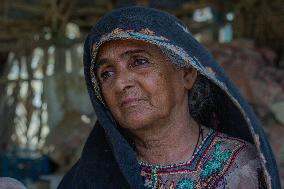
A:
x,y
127,47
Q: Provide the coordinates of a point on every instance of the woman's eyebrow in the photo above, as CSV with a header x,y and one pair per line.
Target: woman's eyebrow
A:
x,y
134,51
104,61
100,63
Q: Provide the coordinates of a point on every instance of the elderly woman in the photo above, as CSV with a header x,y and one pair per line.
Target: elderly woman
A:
x,y
168,116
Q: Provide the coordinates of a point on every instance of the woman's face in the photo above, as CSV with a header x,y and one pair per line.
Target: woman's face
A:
x,y
140,85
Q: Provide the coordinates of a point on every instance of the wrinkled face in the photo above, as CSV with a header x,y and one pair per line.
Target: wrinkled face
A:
x,y
140,85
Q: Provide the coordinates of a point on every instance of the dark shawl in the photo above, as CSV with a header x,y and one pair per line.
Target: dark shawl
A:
x,y
108,160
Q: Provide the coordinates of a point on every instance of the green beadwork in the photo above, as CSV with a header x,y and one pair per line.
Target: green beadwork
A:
x,y
154,177
219,159
185,184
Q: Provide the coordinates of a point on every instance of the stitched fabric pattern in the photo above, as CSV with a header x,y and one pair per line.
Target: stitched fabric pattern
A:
x,y
207,168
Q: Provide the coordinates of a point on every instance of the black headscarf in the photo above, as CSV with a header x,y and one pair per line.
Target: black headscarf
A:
x,y
108,159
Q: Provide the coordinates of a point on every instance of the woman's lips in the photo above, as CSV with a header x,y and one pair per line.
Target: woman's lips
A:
x,y
130,102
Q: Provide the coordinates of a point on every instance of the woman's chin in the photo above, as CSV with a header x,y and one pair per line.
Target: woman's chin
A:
x,y
136,122
140,118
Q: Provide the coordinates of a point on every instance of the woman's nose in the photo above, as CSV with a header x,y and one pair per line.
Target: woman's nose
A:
x,y
124,80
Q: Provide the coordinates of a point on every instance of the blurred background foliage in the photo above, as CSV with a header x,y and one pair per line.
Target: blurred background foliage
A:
x,y
45,112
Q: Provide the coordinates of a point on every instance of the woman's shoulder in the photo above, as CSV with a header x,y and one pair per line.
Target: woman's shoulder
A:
x,y
241,162
227,150
226,158
236,146
235,154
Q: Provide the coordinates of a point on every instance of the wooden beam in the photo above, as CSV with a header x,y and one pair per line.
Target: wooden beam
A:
x,y
16,33
27,7
7,22
68,6
26,44
82,11
89,22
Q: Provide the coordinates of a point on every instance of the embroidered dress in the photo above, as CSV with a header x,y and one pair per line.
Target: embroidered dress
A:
x,y
219,162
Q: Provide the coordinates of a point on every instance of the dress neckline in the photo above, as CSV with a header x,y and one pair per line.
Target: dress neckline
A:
x,y
191,158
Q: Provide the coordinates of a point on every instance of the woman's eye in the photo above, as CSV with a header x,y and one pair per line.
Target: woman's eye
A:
x,y
139,62
105,75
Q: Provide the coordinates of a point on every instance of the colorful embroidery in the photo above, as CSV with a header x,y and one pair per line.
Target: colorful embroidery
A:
x,y
207,166
185,184
211,71
147,31
218,160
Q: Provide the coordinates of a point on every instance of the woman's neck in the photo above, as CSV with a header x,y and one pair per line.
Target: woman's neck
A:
x,y
167,144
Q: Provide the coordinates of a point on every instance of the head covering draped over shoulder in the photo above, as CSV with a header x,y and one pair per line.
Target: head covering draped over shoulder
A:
x,y
108,160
